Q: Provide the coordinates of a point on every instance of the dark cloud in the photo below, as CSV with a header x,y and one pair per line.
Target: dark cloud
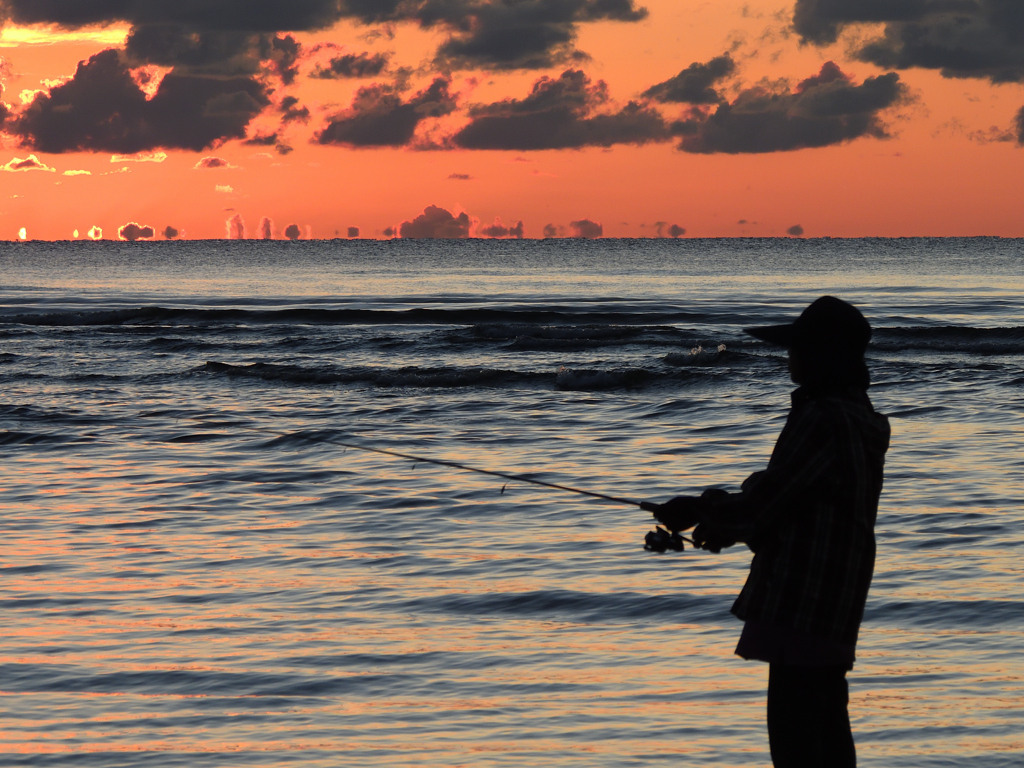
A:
x,y
132,231
198,52
102,108
292,232
1018,127
379,117
497,229
223,38
824,109
694,85
233,52
676,231
169,232
992,134
560,114
214,38
796,230
285,55
586,228
259,16
262,140
389,232
436,222
353,231
550,230
265,231
518,35
961,38
291,111
284,149
234,36
459,176
352,65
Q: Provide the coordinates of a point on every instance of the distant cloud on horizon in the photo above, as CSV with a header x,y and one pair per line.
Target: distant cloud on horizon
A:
x,y
235,227
586,228
133,231
436,222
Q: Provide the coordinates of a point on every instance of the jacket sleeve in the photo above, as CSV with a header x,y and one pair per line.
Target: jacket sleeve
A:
x,y
801,462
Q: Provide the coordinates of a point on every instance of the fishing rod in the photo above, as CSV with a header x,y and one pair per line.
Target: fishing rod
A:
x,y
658,540
492,473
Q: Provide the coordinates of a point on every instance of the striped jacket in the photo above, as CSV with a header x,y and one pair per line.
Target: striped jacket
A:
x,y
809,517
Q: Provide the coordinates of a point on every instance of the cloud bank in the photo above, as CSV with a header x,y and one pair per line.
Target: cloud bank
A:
x,y
102,108
379,117
560,113
823,110
960,38
694,85
238,37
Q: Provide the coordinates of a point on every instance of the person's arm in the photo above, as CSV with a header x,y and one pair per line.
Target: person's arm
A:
x,y
804,454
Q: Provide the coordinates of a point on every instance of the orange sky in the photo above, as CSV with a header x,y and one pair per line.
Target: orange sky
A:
x,y
953,164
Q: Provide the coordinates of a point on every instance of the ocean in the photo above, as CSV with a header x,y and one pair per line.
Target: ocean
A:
x,y
194,573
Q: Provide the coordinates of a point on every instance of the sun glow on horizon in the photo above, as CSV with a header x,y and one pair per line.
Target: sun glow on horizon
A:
x,y
680,119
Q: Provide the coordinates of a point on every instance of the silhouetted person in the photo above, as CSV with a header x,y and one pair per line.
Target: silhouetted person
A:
x,y
809,520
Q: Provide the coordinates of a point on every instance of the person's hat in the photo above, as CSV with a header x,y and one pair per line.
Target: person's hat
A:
x,y
828,324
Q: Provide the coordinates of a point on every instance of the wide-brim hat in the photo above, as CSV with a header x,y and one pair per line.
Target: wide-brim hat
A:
x,y
827,325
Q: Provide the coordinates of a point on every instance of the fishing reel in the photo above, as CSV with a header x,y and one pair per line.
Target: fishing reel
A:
x,y
660,540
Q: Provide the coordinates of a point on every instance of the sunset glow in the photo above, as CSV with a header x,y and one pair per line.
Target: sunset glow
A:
x,y
739,119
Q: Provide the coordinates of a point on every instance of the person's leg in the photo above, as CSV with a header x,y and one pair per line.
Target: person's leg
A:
x,y
808,724
785,718
836,736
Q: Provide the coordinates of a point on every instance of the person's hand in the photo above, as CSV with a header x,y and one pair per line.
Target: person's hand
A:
x,y
706,537
676,514
713,496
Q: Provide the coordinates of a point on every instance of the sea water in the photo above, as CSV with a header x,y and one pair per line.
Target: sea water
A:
x,y
194,573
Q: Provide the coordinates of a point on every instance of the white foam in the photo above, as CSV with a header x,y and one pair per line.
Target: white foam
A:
x,y
696,356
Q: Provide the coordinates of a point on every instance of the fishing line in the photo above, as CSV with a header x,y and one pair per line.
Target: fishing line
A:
x,y
661,540
658,540
457,465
